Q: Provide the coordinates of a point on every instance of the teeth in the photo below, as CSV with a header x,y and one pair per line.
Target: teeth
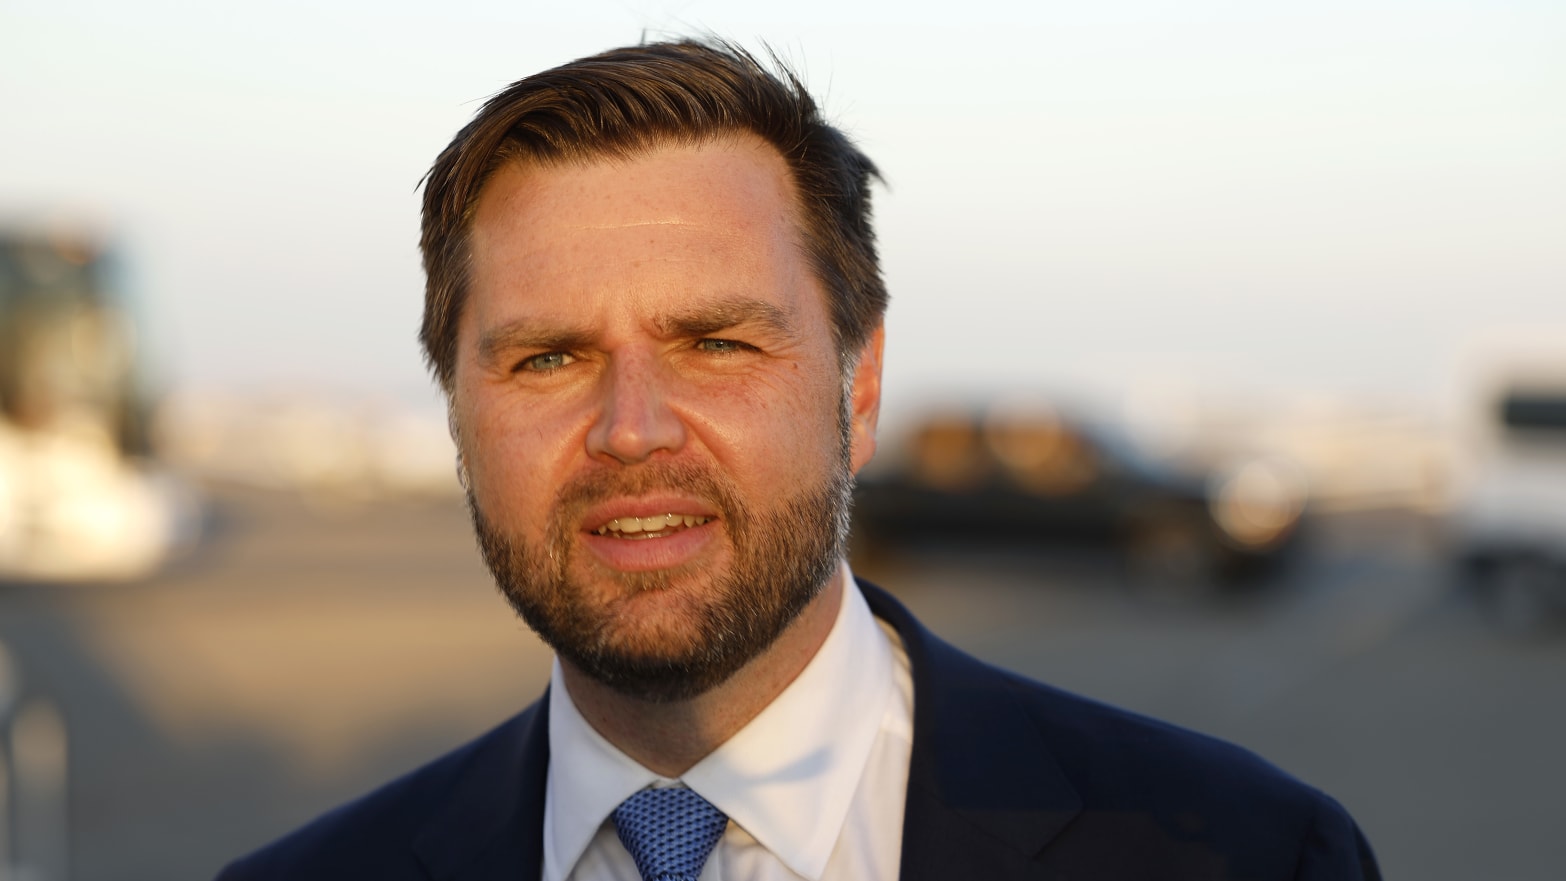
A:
x,y
655,523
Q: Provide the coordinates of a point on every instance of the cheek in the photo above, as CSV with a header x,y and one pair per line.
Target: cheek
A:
x,y
516,462
775,432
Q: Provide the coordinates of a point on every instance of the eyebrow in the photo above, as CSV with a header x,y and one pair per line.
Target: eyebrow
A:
x,y
725,314
519,335
700,321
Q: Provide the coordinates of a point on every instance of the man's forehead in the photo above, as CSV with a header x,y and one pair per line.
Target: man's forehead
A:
x,y
717,213
738,178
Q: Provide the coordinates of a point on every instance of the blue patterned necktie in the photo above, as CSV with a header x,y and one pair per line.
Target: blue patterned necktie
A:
x,y
669,832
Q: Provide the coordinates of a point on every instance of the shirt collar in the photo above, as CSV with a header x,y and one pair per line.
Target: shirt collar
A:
x,y
588,778
787,778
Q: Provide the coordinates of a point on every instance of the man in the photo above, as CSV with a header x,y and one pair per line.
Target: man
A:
x,y
654,305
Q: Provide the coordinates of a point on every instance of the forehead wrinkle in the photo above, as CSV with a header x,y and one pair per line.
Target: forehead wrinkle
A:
x,y
665,241
520,203
631,224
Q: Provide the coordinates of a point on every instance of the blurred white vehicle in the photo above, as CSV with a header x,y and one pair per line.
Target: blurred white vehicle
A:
x,y
1509,526
73,509
81,498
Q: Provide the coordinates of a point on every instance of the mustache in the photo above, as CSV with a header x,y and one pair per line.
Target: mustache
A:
x,y
597,486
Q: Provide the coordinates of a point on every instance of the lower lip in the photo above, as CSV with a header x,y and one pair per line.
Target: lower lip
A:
x,y
650,554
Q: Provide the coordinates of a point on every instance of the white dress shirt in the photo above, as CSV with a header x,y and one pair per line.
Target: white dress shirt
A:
x,y
813,786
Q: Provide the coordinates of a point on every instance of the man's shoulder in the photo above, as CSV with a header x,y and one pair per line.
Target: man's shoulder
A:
x,y
1195,787
1114,754
1102,740
1035,764
378,834
1113,751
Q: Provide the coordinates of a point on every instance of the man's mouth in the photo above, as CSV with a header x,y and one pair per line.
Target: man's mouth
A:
x,y
656,526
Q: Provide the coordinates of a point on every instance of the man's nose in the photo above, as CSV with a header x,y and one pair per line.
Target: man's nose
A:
x,y
635,419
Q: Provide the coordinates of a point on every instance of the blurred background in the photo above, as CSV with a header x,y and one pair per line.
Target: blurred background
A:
x,y
1225,380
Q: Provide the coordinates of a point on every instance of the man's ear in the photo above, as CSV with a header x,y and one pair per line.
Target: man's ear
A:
x,y
864,400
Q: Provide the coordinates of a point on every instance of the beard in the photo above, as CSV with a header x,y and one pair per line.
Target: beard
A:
x,y
780,559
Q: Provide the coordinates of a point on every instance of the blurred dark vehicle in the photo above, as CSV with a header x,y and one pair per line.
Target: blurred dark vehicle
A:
x,y
1034,480
1509,539
80,495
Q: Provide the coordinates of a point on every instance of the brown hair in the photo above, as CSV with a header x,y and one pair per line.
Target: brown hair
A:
x,y
630,100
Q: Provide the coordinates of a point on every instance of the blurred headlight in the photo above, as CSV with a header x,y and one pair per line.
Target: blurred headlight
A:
x,y
1258,503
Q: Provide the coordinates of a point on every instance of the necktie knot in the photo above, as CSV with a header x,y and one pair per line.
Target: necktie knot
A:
x,y
669,832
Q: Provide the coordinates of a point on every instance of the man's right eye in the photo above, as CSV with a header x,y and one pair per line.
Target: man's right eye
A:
x,y
545,362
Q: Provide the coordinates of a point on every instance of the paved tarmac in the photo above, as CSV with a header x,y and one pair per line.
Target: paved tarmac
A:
x,y
311,650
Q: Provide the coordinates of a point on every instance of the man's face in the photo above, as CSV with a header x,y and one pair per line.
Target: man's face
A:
x,y
657,434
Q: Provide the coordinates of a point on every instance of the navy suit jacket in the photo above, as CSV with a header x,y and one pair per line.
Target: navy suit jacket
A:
x,y
1009,779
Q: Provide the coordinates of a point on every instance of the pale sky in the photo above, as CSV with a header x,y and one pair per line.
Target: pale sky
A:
x,y
1256,198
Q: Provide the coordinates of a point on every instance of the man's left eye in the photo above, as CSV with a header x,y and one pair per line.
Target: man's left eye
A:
x,y
546,362
719,346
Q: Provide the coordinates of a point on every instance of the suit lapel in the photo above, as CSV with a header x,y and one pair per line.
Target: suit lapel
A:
x,y
492,825
985,795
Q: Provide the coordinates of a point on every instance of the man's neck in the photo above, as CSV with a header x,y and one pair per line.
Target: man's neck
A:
x,y
668,738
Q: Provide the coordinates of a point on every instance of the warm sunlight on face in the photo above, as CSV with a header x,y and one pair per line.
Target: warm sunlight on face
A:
x,y
650,407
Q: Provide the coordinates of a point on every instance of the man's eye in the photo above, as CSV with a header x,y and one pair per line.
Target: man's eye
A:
x,y
720,346
545,362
